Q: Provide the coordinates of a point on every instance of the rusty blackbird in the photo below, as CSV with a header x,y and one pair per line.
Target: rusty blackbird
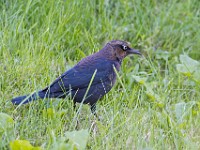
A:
x,y
89,80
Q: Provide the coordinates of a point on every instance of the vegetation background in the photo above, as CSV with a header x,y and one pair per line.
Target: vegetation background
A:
x,y
156,101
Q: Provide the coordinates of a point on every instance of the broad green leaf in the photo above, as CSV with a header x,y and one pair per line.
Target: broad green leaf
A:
x,y
6,122
189,67
139,79
160,54
152,96
185,59
183,69
62,144
182,109
71,141
22,145
78,138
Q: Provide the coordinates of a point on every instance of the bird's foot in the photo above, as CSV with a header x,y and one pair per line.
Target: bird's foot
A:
x,y
94,127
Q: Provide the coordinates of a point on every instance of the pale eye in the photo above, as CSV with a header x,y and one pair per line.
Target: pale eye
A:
x,y
124,47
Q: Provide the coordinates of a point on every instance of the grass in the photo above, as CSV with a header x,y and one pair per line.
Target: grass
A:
x,y
152,106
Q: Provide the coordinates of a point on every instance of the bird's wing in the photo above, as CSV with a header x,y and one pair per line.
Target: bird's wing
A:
x,y
80,76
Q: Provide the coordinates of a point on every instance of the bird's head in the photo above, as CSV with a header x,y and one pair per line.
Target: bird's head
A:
x,y
120,49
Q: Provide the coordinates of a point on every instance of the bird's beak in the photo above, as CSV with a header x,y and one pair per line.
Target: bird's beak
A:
x,y
134,51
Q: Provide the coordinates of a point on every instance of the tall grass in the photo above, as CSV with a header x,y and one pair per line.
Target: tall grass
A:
x,y
152,106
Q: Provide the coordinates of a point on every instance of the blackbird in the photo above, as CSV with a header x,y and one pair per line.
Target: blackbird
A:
x,y
89,80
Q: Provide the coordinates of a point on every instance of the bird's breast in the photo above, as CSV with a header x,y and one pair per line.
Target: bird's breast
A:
x,y
117,66
112,75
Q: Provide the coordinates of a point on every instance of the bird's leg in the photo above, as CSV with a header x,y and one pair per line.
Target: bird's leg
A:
x,y
93,110
74,105
75,108
94,127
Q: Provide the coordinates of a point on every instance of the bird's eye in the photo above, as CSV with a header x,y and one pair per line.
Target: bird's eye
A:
x,y
124,47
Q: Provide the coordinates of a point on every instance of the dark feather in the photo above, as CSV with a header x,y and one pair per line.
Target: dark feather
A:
x,y
75,82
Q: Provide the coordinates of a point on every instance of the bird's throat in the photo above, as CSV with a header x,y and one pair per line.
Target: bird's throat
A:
x,y
119,60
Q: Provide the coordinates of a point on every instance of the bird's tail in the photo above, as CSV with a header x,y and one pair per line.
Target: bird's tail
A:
x,y
27,98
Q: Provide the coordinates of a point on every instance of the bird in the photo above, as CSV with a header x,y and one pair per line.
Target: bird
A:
x,y
89,80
